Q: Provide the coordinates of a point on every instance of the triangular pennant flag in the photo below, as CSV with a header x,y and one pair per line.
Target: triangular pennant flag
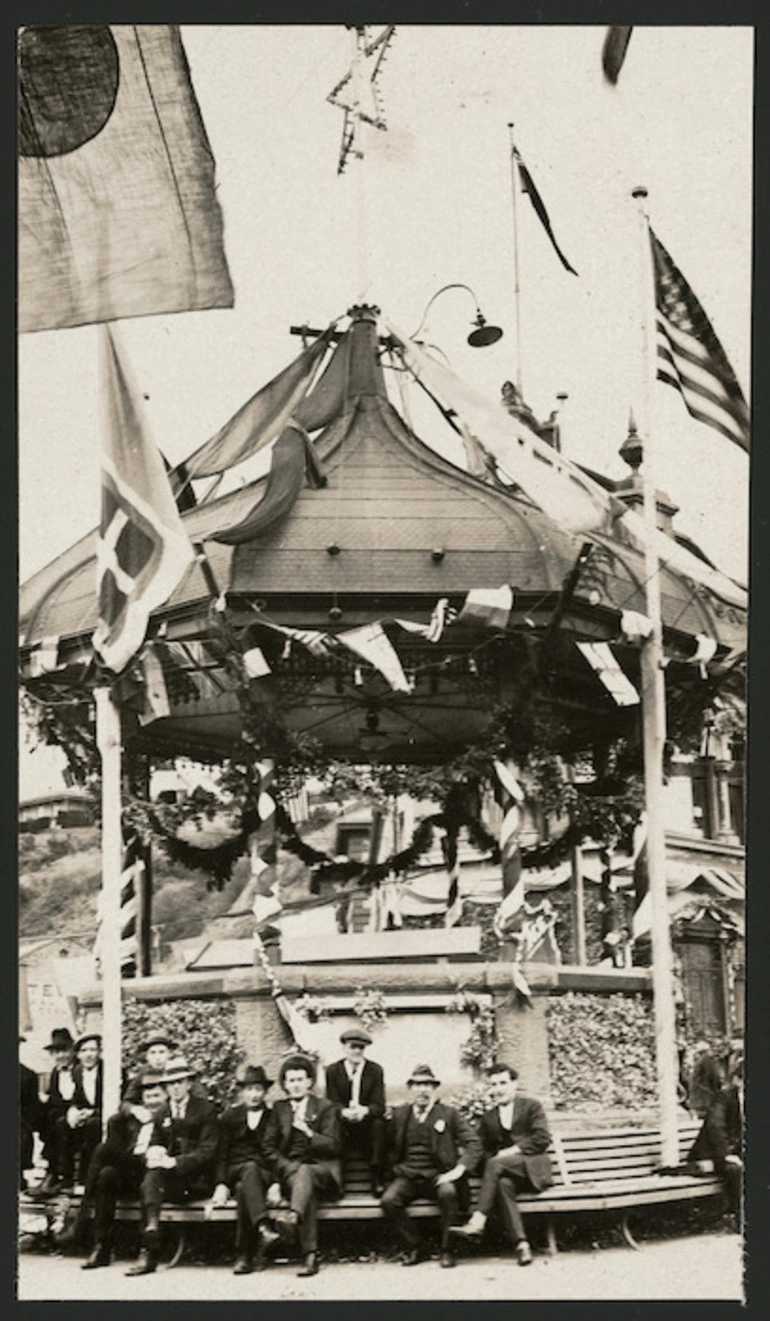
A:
x,y
156,703
602,661
489,606
372,643
528,187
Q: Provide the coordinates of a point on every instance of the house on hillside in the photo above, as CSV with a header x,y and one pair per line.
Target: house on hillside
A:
x,y
69,807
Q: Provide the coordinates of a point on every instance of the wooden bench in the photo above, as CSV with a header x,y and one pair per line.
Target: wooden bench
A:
x,y
615,1170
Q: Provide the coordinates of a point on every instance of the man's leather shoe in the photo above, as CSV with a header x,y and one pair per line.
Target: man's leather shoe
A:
x,y
413,1257
99,1257
267,1235
311,1264
524,1253
151,1234
377,1186
242,1265
448,1259
144,1265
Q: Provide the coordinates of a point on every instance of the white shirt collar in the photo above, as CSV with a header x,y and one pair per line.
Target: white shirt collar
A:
x,y
421,1117
506,1114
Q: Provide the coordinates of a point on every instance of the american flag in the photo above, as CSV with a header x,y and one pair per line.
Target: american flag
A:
x,y
691,358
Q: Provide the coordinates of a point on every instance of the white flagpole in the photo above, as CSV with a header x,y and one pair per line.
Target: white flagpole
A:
x,y
654,729
108,739
516,286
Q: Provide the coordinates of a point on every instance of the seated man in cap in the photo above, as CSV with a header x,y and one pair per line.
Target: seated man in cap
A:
x,y
431,1148
242,1167
157,1050
61,1090
118,1166
303,1146
78,1130
180,1158
515,1139
357,1087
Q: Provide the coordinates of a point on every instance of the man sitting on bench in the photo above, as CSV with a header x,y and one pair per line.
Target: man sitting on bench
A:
x,y
515,1138
117,1167
179,1160
357,1087
243,1167
303,1146
721,1139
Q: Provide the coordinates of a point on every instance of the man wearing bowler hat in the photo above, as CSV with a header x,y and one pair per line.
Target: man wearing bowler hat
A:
x,y
432,1148
61,1089
243,1168
357,1087
180,1157
303,1146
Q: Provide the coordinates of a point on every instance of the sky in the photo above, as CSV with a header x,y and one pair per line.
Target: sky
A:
x,y
430,205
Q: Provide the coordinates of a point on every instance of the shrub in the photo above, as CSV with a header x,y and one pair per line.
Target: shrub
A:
x,y
204,1031
601,1051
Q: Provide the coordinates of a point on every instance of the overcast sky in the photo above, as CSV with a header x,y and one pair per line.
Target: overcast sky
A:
x,y
432,205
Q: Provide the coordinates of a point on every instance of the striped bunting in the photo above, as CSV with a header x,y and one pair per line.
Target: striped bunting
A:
x,y
454,907
267,903
130,892
691,358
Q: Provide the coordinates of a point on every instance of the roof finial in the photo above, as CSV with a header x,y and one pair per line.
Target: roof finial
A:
x,y
632,449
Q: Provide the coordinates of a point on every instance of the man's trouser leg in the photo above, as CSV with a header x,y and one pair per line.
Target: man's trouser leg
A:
x,y
307,1184
151,1192
250,1196
502,1176
63,1149
395,1200
446,1195
88,1140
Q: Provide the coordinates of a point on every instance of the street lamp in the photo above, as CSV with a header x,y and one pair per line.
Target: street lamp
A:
x,y
481,334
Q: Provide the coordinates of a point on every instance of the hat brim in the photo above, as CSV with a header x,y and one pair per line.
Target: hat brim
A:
x,y
432,1082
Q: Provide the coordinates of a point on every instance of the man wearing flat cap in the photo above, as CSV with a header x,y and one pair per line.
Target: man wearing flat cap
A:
x,y
77,1131
243,1168
303,1146
117,1167
432,1148
180,1157
356,1086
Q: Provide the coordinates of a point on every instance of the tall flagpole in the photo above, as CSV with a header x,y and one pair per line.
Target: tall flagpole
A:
x,y
108,737
516,286
654,729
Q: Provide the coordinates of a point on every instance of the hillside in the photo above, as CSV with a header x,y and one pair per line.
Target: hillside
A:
x,y
60,878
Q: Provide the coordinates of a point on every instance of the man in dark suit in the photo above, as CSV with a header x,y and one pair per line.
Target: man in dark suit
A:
x,y
357,1087
117,1167
243,1168
180,1158
61,1090
721,1138
431,1149
515,1140
77,1131
705,1080
303,1146
30,1117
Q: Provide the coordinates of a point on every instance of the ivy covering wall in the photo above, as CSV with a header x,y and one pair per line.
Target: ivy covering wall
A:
x,y
204,1032
601,1051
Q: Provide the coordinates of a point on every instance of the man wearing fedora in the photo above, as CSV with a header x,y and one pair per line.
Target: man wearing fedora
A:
x,y
61,1090
303,1146
432,1148
356,1086
515,1139
117,1167
243,1168
180,1157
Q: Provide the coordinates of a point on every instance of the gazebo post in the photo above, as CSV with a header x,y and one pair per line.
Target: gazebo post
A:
x,y
578,905
108,737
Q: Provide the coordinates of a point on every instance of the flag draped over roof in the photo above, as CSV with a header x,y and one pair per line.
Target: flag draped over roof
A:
x,y
528,187
143,548
691,358
262,418
118,215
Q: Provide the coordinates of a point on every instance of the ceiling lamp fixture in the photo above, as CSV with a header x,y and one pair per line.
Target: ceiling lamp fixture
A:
x,y
481,334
